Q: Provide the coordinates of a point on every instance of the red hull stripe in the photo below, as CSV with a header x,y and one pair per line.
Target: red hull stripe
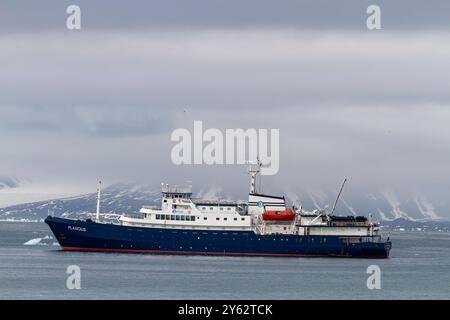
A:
x,y
192,252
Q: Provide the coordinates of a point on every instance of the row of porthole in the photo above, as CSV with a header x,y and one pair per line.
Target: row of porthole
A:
x,y
220,208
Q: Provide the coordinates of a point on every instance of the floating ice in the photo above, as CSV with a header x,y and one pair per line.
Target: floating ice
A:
x,y
37,241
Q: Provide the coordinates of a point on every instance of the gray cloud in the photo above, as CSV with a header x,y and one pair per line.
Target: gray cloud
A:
x,y
102,102
311,14
224,68
107,121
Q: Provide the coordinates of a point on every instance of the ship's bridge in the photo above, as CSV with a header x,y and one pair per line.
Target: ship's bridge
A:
x,y
176,191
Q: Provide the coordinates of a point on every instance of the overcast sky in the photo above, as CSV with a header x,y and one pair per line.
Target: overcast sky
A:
x,y
102,101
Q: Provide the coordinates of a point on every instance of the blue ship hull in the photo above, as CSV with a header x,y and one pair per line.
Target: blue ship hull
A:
x,y
78,235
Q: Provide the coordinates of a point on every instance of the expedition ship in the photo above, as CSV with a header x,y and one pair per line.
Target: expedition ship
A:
x,y
262,226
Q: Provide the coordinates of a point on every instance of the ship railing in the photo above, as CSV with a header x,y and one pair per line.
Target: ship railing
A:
x,y
151,207
348,224
218,202
134,216
363,239
176,189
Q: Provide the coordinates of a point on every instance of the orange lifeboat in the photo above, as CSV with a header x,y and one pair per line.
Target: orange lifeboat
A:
x,y
281,215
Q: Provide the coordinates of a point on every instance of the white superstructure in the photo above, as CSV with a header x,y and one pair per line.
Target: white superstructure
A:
x,y
179,210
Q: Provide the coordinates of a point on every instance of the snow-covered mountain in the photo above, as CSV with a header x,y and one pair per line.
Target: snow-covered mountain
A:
x,y
115,199
383,205
129,198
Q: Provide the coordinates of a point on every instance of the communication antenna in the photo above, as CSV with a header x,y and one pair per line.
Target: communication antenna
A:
x,y
253,170
97,216
339,194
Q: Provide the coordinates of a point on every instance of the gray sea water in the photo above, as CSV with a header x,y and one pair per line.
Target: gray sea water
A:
x,y
419,268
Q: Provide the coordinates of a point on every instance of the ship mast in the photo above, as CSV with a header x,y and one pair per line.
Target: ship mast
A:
x,y
97,215
253,170
338,196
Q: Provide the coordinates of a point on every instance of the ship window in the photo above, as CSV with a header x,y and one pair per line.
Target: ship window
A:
x,y
221,209
217,219
192,218
165,200
210,208
167,217
183,218
205,218
172,217
224,218
235,219
203,208
228,208
158,217
178,217
242,219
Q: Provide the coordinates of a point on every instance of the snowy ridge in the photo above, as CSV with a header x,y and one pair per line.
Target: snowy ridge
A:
x,y
129,198
383,205
116,199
